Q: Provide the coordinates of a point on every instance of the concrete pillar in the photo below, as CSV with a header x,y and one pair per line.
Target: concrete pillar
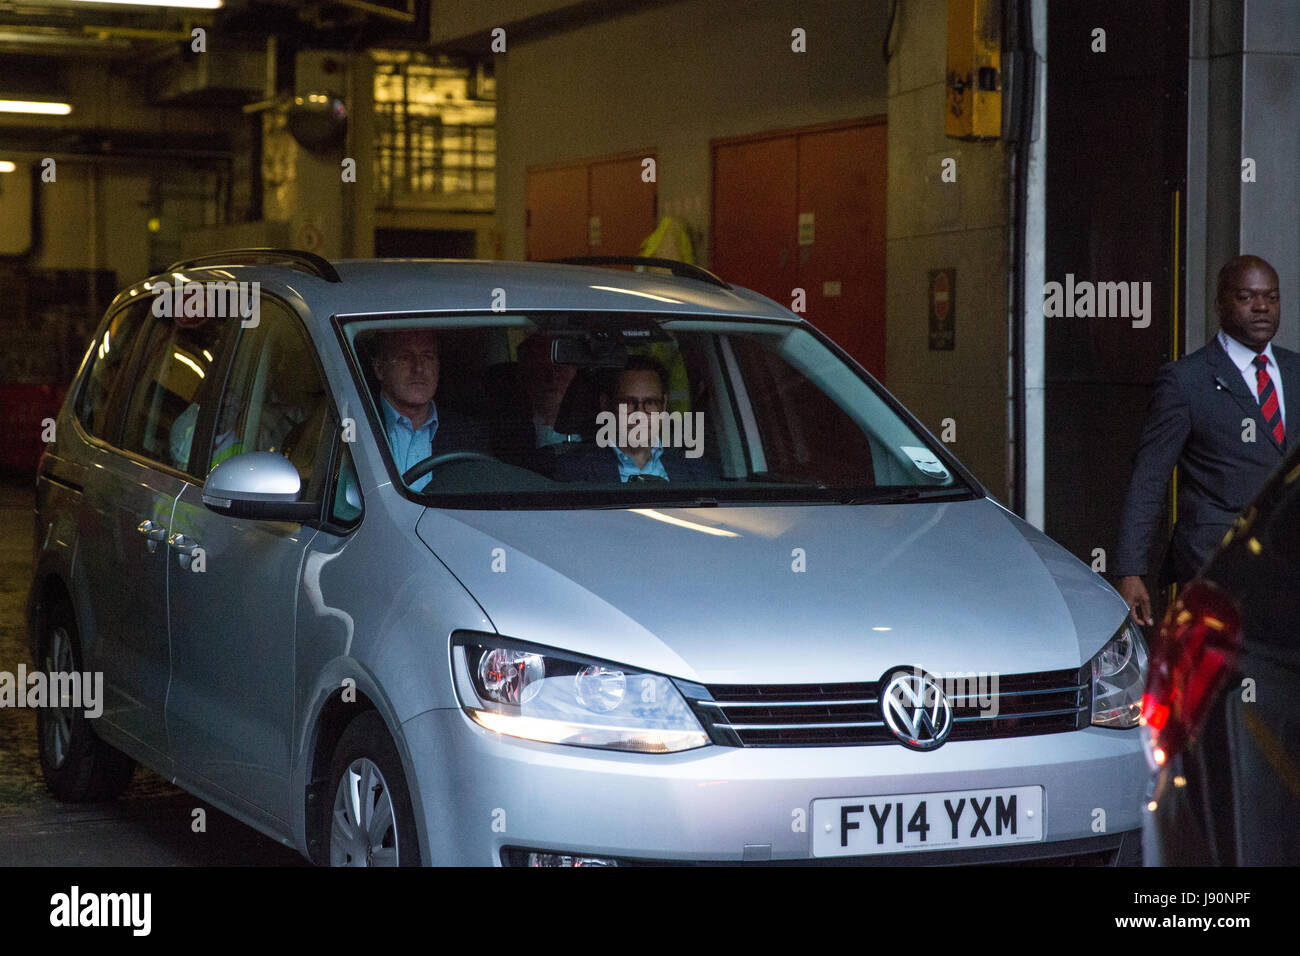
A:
x,y
326,215
1035,354
1243,102
932,224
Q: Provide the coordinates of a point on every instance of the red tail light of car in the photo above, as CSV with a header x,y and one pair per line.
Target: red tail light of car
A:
x,y
1195,651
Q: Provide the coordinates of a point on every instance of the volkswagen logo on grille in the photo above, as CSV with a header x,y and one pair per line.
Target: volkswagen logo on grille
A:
x,y
916,709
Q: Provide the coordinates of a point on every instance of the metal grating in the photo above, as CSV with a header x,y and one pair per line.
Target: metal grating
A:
x,y
820,715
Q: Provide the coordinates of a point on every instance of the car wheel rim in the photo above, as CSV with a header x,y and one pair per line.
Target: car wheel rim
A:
x,y
364,831
58,718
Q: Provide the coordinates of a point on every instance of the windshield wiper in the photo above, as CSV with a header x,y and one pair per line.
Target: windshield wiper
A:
x,y
701,501
892,496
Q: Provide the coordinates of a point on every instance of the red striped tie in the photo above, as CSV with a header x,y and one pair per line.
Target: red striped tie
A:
x,y
1268,398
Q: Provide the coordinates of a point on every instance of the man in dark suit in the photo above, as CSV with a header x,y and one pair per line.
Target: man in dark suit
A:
x,y
406,364
1225,415
641,386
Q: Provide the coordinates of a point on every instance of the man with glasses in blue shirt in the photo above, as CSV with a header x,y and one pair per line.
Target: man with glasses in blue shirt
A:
x,y
406,364
641,386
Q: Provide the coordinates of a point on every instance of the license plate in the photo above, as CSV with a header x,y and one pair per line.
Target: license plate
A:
x,y
856,826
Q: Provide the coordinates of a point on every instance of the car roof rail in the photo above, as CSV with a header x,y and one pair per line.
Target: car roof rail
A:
x,y
309,261
682,270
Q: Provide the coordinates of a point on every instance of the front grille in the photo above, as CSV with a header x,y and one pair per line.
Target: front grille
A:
x,y
829,715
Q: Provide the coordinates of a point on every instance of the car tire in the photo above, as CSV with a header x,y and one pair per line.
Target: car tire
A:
x,y
370,822
77,765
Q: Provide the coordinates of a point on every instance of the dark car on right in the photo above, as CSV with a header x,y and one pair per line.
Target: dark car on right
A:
x,y
1222,702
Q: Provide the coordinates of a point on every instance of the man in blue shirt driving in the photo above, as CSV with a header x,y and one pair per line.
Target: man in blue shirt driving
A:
x,y
406,364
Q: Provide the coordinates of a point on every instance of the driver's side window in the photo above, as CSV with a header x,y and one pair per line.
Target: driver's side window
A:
x,y
275,399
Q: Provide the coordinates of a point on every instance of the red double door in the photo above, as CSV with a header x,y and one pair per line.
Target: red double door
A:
x,y
800,209
599,207
805,209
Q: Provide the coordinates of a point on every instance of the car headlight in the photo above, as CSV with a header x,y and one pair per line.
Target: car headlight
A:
x,y
543,694
1119,673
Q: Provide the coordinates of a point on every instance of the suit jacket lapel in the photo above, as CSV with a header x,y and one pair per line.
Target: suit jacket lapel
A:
x,y
1224,372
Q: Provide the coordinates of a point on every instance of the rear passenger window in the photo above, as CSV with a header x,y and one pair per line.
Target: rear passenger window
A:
x,y
275,399
165,405
106,380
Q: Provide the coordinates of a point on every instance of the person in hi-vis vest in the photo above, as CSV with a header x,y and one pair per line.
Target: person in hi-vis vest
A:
x,y
671,240
225,445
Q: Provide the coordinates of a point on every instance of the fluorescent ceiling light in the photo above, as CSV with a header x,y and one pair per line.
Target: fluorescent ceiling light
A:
x,y
35,106
185,4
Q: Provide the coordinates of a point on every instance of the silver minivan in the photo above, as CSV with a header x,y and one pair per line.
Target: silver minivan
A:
x,y
526,564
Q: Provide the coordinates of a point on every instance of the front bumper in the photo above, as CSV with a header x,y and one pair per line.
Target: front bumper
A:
x,y
477,793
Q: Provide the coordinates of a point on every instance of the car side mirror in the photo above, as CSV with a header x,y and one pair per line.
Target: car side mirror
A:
x,y
258,484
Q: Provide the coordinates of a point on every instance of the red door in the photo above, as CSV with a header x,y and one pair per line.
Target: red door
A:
x,y
842,184
598,207
833,178
556,224
623,204
755,206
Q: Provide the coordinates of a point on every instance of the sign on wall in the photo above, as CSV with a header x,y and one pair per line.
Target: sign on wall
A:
x,y
943,298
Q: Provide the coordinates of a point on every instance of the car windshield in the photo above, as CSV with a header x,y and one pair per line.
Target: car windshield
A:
x,y
572,410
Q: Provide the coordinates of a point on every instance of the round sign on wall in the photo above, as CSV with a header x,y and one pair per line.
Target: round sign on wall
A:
x,y
943,308
309,238
939,290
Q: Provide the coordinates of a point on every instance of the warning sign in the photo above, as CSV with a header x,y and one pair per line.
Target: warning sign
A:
x,y
943,297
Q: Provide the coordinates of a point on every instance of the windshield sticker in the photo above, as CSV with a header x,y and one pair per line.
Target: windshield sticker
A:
x,y
924,459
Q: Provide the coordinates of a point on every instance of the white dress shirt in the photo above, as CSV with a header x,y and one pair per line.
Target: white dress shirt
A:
x,y
1244,358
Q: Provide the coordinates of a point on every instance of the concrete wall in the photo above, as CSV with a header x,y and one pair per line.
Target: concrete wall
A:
x,y
936,225
672,78
96,217
93,216
16,222
451,22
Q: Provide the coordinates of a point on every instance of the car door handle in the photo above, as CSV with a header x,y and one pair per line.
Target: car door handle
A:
x,y
185,549
182,544
153,534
